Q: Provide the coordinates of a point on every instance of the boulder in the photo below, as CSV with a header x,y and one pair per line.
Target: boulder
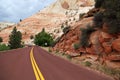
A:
x,y
90,50
82,50
118,35
107,47
114,57
94,37
116,44
105,37
94,49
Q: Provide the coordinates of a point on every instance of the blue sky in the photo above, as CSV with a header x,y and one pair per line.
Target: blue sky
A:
x,y
14,10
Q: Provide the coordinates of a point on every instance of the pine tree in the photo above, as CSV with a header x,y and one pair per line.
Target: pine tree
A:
x,y
15,39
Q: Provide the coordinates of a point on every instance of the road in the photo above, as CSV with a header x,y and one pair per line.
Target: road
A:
x,y
36,64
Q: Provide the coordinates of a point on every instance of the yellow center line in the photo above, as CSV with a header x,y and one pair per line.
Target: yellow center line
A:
x,y
36,69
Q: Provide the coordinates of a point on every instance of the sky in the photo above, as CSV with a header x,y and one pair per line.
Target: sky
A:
x,y
14,10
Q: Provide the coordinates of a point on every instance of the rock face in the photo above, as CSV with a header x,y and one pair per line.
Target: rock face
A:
x,y
4,25
68,40
107,47
101,42
105,37
62,6
116,45
51,18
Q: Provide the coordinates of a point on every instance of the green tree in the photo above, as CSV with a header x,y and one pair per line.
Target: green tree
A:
x,y
43,39
110,15
98,3
1,40
15,39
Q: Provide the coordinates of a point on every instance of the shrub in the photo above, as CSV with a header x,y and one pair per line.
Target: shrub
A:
x,y
56,41
85,36
66,22
114,27
76,46
69,57
81,15
20,20
98,20
74,19
49,50
110,71
88,64
98,3
57,51
43,39
31,37
66,29
4,47
63,53
62,26
1,40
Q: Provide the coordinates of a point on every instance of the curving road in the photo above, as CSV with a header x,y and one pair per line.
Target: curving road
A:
x,y
36,64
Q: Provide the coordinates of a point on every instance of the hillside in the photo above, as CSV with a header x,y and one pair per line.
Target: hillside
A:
x,y
51,18
5,25
96,35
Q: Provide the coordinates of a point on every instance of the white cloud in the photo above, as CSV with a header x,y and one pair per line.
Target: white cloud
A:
x,y
14,10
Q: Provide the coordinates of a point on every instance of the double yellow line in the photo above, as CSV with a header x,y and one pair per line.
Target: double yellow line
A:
x,y
36,69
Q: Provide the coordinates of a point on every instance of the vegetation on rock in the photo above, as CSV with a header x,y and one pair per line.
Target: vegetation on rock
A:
x,y
66,29
76,46
31,37
109,14
85,35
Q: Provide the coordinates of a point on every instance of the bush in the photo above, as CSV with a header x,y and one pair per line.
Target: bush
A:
x,y
1,40
4,47
20,20
57,51
55,42
98,20
69,57
66,29
62,26
49,50
81,15
98,3
88,64
31,37
43,39
85,36
114,27
76,46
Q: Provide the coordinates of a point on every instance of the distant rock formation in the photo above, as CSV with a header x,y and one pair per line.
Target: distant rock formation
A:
x,y
51,18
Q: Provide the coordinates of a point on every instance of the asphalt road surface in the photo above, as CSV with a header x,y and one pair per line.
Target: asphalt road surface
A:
x,y
33,63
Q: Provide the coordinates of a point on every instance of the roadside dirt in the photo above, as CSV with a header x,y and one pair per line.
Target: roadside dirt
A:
x,y
90,62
